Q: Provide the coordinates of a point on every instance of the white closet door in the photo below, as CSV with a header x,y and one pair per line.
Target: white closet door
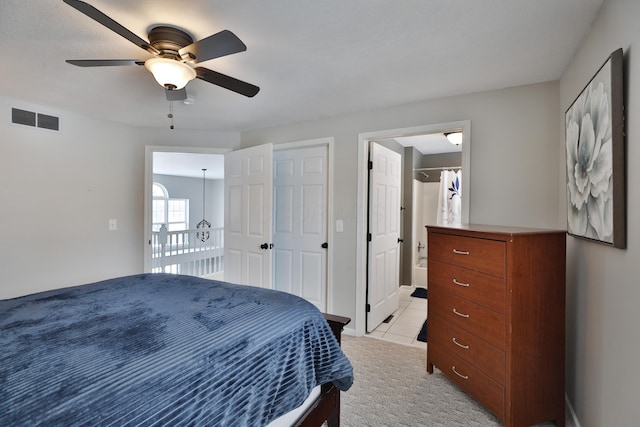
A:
x,y
384,227
300,226
248,190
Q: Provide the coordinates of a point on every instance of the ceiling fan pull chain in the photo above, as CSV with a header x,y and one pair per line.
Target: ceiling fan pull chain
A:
x,y
170,115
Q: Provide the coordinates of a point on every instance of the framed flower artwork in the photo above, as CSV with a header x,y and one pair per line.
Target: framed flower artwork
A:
x,y
594,136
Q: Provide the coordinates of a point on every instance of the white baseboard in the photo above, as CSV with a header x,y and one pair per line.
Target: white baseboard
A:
x,y
349,331
572,413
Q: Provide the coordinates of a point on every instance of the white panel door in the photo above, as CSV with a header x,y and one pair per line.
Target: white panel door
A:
x,y
384,227
300,226
248,190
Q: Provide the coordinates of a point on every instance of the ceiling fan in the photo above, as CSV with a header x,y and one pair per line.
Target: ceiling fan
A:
x,y
175,55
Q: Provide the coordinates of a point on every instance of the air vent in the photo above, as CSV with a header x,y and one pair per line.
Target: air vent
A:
x,y
23,117
30,118
48,122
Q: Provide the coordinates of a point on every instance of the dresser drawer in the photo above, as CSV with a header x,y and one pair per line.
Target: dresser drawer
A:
x,y
487,256
485,357
487,391
482,322
486,290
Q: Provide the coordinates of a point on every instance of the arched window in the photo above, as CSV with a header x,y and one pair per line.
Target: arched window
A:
x,y
173,213
159,191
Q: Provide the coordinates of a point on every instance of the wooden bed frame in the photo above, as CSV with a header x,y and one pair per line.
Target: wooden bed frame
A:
x,y
327,406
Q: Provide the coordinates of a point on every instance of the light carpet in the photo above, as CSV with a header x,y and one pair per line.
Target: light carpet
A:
x,y
392,388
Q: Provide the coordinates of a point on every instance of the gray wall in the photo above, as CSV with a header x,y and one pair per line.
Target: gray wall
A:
x,y
436,161
70,183
180,187
603,318
514,136
406,262
59,190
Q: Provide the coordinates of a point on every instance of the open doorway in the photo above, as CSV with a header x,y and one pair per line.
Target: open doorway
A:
x,y
312,158
364,142
432,163
184,215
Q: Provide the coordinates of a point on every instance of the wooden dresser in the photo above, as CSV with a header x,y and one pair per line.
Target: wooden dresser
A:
x,y
496,317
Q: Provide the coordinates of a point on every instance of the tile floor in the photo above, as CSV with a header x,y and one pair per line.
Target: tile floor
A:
x,y
406,322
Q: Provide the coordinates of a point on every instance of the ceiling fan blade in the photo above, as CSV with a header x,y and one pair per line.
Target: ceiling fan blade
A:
x,y
103,19
217,45
176,94
103,62
227,82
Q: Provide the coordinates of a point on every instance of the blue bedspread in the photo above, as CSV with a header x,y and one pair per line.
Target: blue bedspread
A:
x,y
162,350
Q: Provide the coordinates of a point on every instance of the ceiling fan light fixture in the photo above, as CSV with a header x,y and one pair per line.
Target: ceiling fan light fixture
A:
x,y
170,73
454,137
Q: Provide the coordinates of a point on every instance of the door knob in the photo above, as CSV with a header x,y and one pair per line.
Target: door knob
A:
x,y
400,240
325,245
264,246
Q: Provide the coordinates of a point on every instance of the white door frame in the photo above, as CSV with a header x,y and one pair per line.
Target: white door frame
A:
x,y
329,143
363,191
148,182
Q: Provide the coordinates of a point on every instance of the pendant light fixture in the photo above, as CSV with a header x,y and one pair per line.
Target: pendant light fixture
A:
x,y
204,225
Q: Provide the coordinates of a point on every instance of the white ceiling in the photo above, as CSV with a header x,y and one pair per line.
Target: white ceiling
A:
x,y
433,143
311,59
189,164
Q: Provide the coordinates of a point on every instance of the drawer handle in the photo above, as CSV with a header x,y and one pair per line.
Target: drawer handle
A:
x,y
455,251
466,347
464,377
466,285
460,314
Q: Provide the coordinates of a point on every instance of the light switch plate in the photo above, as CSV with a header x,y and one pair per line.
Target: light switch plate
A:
x,y
113,224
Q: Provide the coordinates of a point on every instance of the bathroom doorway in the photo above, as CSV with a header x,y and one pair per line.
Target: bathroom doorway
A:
x,y
432,165
410,155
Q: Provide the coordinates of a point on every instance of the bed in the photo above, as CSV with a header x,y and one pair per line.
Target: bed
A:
x,y
162,349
